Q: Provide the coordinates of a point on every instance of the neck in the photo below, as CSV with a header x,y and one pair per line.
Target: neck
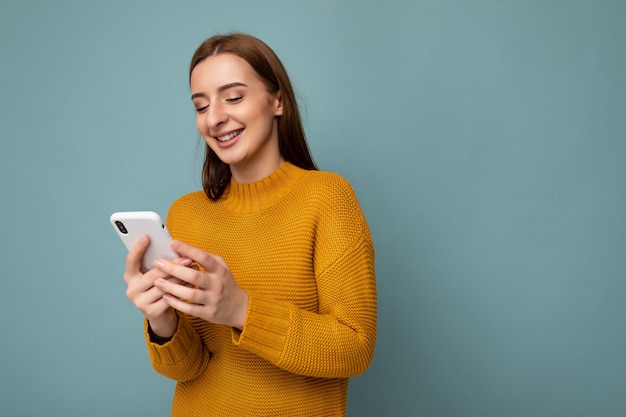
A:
x,y
250,197
248,173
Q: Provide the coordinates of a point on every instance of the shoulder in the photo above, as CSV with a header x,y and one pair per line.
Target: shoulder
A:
x,y
189,201
329,184
340,225
185,206
332,196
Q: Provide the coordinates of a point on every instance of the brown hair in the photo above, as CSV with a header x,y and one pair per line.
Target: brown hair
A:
x,y
292,143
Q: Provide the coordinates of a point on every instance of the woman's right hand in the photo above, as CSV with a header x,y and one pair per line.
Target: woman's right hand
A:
x,y
146,297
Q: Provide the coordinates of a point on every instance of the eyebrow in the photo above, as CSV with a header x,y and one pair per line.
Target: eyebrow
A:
x,y
220,89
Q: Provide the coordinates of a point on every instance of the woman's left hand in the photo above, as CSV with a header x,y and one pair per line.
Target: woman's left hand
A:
x,y
212,294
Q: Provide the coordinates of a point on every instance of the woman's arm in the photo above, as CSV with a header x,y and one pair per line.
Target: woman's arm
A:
x,y
339,339
183,357
184,348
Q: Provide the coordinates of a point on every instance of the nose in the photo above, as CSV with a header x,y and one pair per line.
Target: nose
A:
x,y
216,115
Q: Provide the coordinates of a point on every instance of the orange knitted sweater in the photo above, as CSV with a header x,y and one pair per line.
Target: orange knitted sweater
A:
x,y
298,243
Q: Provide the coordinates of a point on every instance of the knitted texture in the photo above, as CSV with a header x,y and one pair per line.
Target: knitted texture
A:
x,y
298,243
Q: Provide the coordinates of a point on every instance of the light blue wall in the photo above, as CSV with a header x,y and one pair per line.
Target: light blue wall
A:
x,y
486,141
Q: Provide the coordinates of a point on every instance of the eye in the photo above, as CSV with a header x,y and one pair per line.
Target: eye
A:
x,y
234,100
202,109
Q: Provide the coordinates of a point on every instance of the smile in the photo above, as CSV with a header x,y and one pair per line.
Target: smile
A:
x,y
228,136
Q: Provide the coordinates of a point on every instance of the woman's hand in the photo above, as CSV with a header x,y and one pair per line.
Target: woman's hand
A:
x,y
146,297
212,294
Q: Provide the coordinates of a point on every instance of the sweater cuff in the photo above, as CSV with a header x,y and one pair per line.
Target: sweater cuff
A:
x,y
265,329
176,349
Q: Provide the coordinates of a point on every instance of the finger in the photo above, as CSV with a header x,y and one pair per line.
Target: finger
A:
x,y
183,292
206,260
147,297
144,292
180,282
156,309
139,283
133,258
184,273
156,273
182,306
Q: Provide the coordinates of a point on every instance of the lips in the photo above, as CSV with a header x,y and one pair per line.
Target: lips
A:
x,y
228,136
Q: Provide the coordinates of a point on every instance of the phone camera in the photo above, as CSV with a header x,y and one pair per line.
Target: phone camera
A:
x,y
121,226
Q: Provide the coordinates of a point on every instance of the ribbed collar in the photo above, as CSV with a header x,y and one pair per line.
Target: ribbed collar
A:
x,y
262,194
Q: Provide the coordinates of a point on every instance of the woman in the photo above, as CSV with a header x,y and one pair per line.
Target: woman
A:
x,y
272,305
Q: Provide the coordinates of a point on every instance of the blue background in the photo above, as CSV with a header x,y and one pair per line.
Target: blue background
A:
x,y
485,140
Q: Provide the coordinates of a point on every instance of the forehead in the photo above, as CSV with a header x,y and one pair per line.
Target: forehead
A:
x,y
222,69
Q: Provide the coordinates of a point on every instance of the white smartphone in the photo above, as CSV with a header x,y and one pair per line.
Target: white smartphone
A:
x,y
131,225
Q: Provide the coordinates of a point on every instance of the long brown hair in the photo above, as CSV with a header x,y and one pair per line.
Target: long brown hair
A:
x,y
292,143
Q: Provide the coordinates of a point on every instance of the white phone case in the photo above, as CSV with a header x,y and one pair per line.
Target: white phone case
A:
x,y
131,225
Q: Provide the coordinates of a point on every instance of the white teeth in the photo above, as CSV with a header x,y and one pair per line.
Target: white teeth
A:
x,y
228,137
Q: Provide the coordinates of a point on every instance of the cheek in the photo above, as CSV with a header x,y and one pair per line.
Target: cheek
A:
x,y
262,115
211,144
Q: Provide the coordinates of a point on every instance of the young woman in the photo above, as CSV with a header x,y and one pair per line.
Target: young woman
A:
x,y
272,305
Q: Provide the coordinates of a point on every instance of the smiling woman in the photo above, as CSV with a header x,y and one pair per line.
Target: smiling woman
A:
x,y
268,69
272,305
237,119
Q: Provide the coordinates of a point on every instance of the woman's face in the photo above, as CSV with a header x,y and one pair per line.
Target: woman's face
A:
x,y
236,116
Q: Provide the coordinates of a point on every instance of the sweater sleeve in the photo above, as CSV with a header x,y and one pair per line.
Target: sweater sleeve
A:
x,y
182,358
339,340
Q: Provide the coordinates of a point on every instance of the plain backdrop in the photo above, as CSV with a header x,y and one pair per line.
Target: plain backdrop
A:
x,y
486,141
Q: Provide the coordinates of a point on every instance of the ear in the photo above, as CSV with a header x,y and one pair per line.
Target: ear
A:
x,y
277,102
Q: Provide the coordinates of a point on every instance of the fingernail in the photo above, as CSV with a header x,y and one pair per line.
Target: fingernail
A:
x,y
186,262
159,264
